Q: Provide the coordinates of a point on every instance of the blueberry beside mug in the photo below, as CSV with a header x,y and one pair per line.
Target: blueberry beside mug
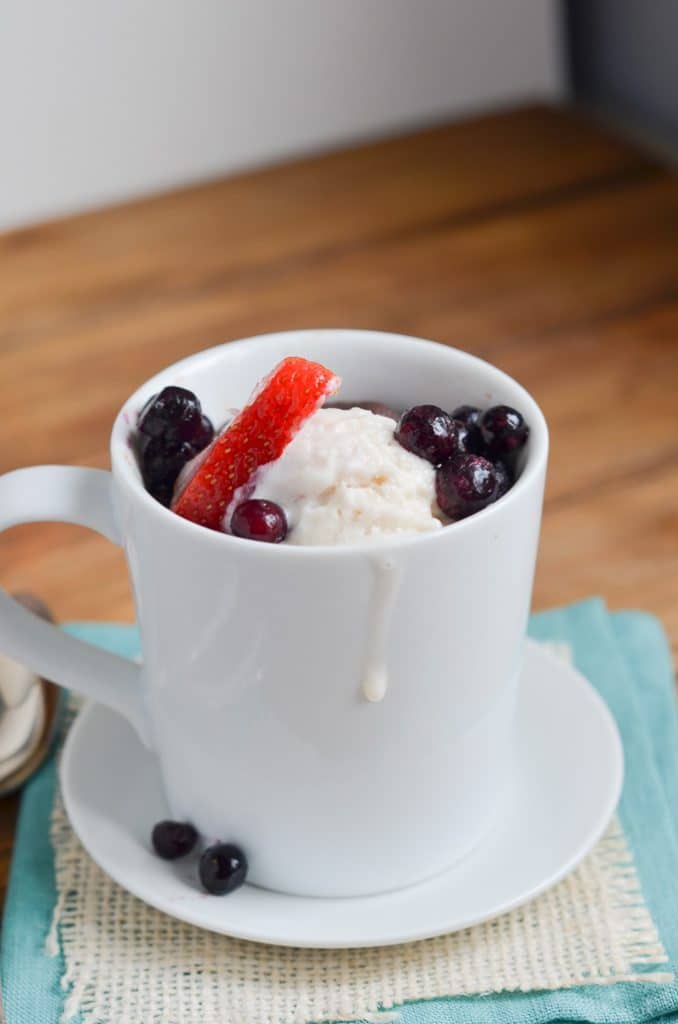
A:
x,y
251,693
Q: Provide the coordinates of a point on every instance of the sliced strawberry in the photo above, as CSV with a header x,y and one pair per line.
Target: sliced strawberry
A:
x,y
281,404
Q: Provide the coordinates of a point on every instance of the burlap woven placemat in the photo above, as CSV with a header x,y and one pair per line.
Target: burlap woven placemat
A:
x,y
588,949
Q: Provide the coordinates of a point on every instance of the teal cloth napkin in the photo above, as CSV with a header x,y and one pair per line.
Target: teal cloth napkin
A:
x,y
626,657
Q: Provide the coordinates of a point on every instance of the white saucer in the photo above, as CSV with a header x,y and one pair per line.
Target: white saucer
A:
x,y
570,769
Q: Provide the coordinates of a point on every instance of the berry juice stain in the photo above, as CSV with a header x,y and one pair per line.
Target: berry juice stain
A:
x,y
387,576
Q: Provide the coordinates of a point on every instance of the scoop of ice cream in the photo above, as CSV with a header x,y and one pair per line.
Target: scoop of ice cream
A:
x,y
344,479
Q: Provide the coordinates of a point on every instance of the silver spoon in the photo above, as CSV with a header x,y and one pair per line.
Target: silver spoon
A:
x,y
21,686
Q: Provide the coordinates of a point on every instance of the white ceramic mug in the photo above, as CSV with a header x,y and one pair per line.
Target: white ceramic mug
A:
x,y
251,689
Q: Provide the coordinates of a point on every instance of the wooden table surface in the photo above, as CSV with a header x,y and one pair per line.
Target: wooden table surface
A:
x,y
534,239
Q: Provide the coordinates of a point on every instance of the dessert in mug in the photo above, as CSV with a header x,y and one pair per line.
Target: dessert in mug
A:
x,y
285,468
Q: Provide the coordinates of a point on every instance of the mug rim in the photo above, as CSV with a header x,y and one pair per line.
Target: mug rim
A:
x,y
126,474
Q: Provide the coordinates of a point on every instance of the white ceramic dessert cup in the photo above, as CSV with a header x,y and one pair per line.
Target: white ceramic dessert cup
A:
x,y
251,690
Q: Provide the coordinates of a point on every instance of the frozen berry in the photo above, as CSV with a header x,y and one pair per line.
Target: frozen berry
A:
x,y
223,868
428,431
469,439
174,415
258,519
259,434
470,434
504,478
378,408
468,414
172,839
161,463
204,435
465,485
146,407
504,430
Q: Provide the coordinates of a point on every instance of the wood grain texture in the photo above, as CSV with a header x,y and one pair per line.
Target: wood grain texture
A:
x,y
531,238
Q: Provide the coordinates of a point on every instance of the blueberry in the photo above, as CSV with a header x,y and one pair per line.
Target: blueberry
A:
x,y
204,435
504,478
470,439
504,431
146,407
223,868
174,415
428,431
258,519
161,463
468,414
171,430
172,839
466,484
470,434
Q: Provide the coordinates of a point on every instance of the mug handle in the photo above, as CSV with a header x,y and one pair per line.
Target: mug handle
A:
x,y
66,494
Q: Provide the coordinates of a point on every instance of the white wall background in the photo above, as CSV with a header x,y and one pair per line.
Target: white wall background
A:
x,y
101,100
